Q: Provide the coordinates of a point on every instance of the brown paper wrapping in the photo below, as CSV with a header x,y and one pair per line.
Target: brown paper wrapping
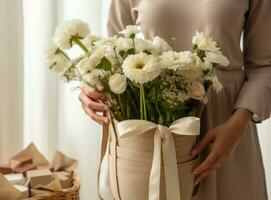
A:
x,y
22,162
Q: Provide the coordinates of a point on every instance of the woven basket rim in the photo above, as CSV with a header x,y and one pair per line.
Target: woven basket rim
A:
x,y
74,189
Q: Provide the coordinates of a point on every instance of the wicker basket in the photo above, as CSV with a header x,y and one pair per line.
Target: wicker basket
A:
x,y
69,194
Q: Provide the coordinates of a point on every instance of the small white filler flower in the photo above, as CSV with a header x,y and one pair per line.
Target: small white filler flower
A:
x,y
130,31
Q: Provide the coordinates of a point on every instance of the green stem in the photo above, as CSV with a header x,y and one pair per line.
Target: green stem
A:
x,y
143,101
121,106
117,57
80,44
62,52
141,104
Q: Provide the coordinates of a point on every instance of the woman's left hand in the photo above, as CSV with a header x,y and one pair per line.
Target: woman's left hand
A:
x,y
224,139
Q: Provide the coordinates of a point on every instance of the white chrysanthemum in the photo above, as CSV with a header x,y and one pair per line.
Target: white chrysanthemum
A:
x,y
117,83
71,28
141,68
217,57
108,41
90,63
204,42
196,90
178,60
130,31
160,45
124,44
93,78
56,60
89,40
142,45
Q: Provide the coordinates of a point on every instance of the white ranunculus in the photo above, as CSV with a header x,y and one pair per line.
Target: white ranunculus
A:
x,y
56,60
130,30
71,28
160,45
93,78
89,40
117,83
197,90
204,42
217,57
141,68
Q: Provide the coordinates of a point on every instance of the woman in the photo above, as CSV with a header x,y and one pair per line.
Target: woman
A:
x,y
233,167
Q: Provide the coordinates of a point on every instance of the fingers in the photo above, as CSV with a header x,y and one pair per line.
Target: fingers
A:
x,y
206,163
214,166
209,137
92,93
88,102
98,118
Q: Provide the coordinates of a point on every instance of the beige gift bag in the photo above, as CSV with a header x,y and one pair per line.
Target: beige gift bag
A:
x,y
152,162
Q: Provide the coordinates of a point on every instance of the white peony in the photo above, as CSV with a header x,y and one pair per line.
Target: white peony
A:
x,y
71,28
55,60
204,42
196,90
160,45
117,83
130,31
93,78
141,68
217,57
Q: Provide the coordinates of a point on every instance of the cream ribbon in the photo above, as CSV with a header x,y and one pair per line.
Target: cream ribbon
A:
x,y
163,140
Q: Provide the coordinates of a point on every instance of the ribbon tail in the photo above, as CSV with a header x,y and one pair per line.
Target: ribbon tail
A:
x,y
154,184
171,169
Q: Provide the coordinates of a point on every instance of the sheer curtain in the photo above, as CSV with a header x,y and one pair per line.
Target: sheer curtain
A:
x,y
53,118
11,70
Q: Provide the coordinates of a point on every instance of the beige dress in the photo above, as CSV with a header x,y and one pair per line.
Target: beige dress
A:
x,y
247,81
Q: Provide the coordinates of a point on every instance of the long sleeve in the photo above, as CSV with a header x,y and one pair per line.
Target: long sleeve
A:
x,y
120,15
255,94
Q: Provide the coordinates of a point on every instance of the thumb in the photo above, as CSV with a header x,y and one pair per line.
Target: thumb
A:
x,y
209,137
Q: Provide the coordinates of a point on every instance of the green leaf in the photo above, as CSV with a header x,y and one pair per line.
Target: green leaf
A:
x,y
146,51
105,64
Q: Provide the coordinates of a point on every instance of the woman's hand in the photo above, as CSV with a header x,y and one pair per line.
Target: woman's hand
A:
x,y
224,139
92,103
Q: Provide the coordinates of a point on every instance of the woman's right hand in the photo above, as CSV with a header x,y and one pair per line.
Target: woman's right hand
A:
x,y
92,103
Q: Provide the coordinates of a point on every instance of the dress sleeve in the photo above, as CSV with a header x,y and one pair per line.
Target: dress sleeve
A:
x,y
255,94
119,17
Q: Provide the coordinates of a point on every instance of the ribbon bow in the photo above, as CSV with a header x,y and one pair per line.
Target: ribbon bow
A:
x,y
163,140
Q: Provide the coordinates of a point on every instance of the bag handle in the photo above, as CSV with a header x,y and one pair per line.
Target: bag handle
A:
x,y
103,145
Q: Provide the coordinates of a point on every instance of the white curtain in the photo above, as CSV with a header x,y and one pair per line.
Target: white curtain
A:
x,y
11,83
53,118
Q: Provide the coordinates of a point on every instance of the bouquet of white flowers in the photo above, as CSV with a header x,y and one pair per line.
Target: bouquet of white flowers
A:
x,y
143,79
